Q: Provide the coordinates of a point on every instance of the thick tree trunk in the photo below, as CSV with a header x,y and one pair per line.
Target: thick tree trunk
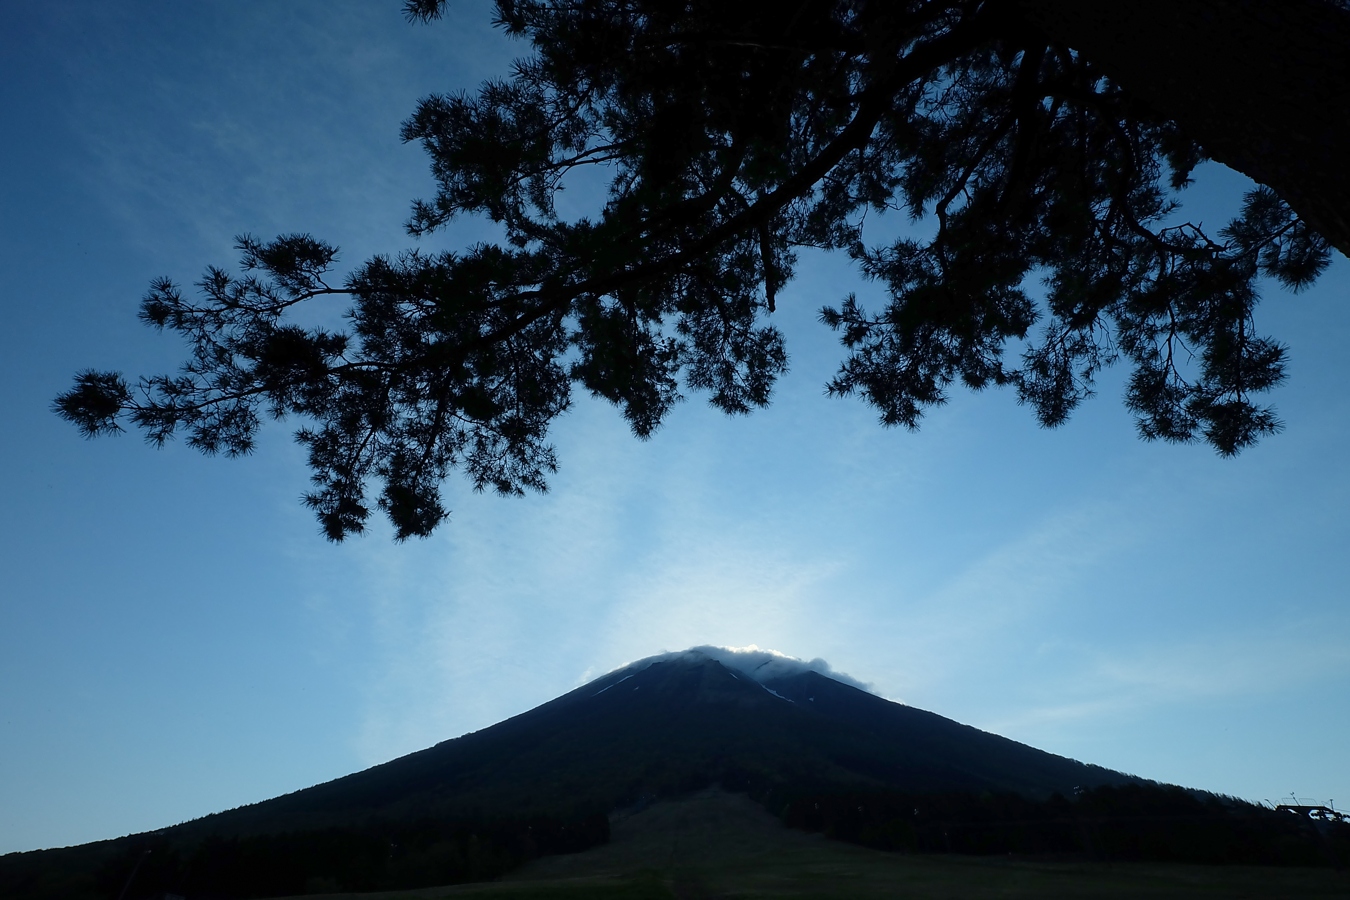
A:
x,y
1262,85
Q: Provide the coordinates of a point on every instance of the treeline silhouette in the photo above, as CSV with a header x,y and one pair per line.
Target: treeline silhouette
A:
x,y
1132,822
378,856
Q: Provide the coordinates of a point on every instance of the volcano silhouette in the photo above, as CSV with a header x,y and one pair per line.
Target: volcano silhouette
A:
x,y
668,725
812,747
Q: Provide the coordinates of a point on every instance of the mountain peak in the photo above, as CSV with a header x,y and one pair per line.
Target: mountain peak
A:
x,y
761,665
663,726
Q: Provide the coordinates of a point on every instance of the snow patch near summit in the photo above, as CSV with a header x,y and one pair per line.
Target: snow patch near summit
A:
x,y
608,686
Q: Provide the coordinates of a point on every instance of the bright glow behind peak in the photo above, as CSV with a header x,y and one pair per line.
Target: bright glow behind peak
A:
x,y
757,663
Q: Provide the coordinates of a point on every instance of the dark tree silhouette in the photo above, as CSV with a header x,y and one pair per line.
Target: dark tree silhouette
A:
x,y
1045,141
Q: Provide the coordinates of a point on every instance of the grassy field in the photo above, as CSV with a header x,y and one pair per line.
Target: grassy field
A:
x,y
720,845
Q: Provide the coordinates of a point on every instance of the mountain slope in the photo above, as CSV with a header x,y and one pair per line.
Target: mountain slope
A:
x,y
821,752
716,844
672,725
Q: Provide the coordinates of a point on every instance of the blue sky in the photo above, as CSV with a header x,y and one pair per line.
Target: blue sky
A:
x,y
176,638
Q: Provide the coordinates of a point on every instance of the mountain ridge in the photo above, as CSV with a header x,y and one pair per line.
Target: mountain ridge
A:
x,y
700,721
818,752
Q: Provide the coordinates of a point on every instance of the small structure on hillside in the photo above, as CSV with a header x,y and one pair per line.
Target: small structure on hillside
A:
x,y
1315,811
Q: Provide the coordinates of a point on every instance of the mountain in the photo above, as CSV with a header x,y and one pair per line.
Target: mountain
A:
x,y
670,724
545,781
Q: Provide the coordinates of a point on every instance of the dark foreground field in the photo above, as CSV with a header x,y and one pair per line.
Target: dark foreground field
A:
x,y
721,845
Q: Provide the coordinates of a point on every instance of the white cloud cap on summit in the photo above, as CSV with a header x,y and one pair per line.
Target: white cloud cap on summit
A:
x,y
760,664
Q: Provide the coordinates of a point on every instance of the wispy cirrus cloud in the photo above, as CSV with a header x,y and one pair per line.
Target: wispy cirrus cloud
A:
x,y
1107,682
